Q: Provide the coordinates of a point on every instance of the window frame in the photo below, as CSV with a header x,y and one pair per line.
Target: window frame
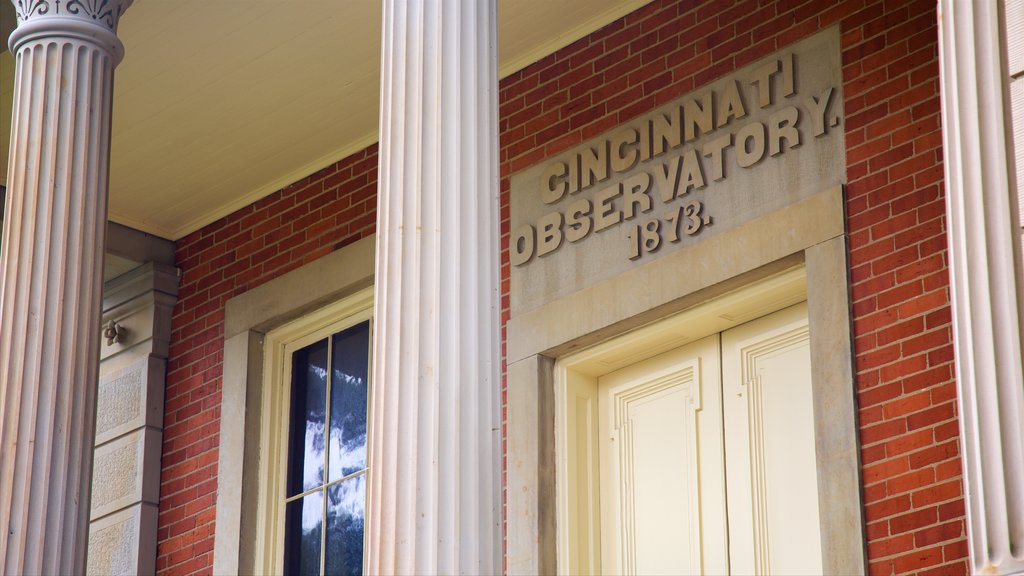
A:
x,y
304,292
279,344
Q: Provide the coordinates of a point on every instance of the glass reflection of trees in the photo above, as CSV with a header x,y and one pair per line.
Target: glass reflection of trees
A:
x,y
340,451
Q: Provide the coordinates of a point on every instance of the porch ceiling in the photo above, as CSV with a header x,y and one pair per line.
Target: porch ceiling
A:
x,y
221,102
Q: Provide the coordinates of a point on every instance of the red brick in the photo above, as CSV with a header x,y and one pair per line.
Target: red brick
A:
x,y
885,508
884,470
930,417
880,394
955,550
182,526
912,520
880,568
949,510
952,569
936,493
890,546
939,533
933,454
947,430
925,303
926,341
910,481
908,442
918,559
906,404
899,294
947,470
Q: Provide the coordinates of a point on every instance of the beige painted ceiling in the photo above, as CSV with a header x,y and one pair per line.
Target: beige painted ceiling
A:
x,y
221,102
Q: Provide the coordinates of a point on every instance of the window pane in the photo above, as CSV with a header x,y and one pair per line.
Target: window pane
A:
x,y
348,401
306,436
345,502
303,526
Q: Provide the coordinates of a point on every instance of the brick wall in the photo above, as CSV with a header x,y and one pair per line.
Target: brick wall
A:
x,y
904,373
902,336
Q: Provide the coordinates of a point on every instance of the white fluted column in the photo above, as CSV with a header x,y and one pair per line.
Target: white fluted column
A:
x,y
52,273
434,480
984,261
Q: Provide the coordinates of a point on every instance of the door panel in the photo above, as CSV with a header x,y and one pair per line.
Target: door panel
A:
x,y
772,488
705,458
662,478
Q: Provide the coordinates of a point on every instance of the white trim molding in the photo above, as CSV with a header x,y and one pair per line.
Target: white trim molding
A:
x,y
985,271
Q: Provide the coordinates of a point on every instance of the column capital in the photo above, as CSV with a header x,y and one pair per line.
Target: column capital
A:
x,y
93,21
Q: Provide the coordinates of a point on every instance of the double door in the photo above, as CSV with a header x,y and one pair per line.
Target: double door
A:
x,y
707,459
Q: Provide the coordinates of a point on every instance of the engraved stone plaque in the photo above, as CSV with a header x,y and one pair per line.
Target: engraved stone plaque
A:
x,y
745,145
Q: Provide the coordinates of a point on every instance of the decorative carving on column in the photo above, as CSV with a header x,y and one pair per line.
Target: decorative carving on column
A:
x,y
984,262
434,480
105,12
52,274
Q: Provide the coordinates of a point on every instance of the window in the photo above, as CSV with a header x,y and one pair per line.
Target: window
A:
x,y
326,473
314,426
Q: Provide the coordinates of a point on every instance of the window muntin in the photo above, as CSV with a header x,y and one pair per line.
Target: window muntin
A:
x,y
326,460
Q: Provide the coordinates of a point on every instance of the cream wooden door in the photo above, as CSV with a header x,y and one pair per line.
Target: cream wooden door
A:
x,y
772,490
662,476
707,461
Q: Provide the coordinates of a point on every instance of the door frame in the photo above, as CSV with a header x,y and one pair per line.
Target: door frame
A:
x,y
808,236
577,378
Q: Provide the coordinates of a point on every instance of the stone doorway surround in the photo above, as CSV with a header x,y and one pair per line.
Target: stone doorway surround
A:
x,y
808,233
